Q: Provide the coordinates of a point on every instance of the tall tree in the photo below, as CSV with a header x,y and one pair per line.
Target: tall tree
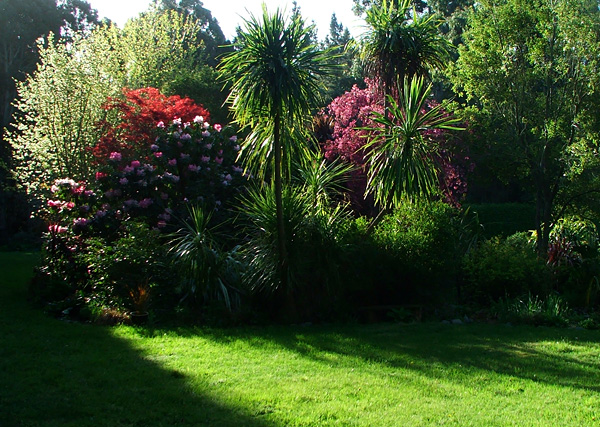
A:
x,y
530,71
61,104
209,31
275,78
348,72
158,45
399,45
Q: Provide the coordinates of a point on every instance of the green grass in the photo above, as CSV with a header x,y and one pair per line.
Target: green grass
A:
x,y
55,373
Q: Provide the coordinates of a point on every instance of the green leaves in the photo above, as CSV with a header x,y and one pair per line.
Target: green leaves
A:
x,y
399,46
399,155
274,73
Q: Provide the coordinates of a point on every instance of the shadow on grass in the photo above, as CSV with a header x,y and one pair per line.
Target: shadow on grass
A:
x,y
54,373
545,355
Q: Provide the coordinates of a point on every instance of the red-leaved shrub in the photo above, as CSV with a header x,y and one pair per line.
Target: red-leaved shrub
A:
x,y
138,116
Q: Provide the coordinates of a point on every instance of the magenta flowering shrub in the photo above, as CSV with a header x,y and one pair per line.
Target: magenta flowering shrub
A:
x,y
104,237
351,113
187,163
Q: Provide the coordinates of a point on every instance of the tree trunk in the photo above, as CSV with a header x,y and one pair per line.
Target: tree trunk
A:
x,y
281,247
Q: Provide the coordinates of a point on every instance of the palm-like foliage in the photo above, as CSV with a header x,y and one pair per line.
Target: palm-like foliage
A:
x,y
321,181
399,161
398,46
206,271
275,81
275,74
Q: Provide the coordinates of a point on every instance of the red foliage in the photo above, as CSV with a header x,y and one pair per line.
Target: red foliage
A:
x,y
140,113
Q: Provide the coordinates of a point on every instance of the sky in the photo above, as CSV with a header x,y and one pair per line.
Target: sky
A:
x,y
230,13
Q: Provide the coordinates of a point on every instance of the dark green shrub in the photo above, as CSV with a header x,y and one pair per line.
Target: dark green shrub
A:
x,y
411,257
573,258
504,267
504,219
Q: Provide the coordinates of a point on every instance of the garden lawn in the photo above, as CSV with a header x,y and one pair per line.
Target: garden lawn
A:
x,y
55,373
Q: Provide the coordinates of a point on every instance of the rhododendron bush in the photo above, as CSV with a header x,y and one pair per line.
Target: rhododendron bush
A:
x,y
139,113
351,113
142,188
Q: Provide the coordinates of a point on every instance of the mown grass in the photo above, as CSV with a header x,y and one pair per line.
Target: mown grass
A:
x,y
54,373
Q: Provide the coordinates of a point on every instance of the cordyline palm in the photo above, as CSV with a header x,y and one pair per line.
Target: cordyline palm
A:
x,y
399,158
396,47
275,75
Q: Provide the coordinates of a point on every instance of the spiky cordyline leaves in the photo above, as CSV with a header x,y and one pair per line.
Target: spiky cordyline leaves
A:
x,y
398,46
399,160
203,266
274,72
263,272
321,181
256,152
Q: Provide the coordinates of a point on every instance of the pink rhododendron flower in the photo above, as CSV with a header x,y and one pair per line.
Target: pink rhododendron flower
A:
x,y
198,119
193,168
228,177
237,169
206,134
55,228
236,148
123,181
219,160
100,214
100,175
184,156
135,164
177,121
186,136
69,205
144,203
128,169
80,222
220,152
206,125
158,154
205,159
160,124
233,138
54,203
172,162
116,156
154,147
218,127
89,193
208,146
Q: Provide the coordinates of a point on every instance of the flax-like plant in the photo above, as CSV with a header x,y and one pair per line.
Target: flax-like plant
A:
x,y
203,266
275,74
399,155
322,181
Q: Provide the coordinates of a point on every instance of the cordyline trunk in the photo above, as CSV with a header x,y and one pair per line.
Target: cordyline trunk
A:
x,y
281,249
